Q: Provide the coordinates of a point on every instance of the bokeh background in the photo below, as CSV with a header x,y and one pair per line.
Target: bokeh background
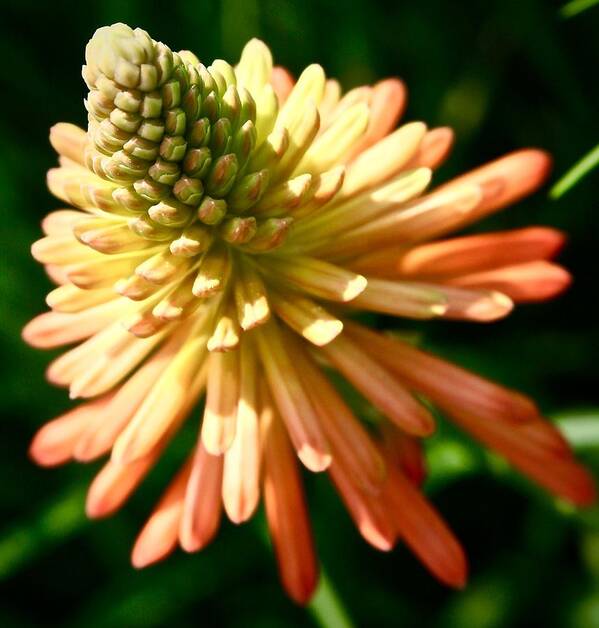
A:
x,y
503,74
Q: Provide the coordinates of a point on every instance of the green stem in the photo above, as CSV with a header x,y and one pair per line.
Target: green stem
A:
x,y
579,170
576,6
580,429
326,607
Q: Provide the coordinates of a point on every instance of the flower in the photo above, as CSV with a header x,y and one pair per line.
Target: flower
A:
x,y
227,224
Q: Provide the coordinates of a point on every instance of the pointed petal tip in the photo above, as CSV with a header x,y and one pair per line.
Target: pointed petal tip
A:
x,y
354,288
503,305
376,538
191,543
97,508
316,461
239,513
322,331
582,491
41,455
139,557
143,556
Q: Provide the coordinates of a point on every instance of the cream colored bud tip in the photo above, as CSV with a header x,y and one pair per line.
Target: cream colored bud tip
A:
x,y
117,45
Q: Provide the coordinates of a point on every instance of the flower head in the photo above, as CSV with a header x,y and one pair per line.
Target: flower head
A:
x,y
227,223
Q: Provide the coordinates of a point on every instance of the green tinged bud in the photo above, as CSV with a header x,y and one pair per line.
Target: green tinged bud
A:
x,y
197,162
176,142
146,228
212,210
170,213
238,230
221,178
270,234
189,191
248,191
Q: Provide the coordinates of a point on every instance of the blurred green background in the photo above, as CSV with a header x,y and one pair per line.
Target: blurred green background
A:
x,y
503,74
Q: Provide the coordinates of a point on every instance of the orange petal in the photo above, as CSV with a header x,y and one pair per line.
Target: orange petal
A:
x,y
379,386
286,513
475,253
507,179
387,103
101,434
202,505
427,535
282,82
351,444
160,534
369,512
178,387
115,483
434,149
292,400
407,452
54,443
532,281
526,451
448,385
546,436
53,329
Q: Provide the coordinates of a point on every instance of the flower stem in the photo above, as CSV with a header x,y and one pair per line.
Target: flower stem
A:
x,y
577,172
326,607
576,6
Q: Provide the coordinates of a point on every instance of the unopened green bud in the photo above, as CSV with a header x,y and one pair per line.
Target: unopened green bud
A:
x,y
175,121
238,230
270,234
199,134
173,148
146,228
140,148
189,191
166,172
221,137
248,191
151,129
244,142
221,178
197,162
170,213
151,190
212,210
